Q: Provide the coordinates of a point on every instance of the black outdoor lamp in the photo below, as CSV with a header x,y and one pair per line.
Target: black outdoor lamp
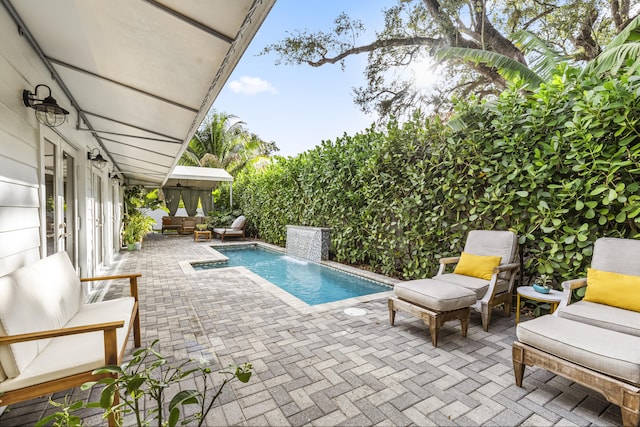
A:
x,y
97,159
114,178
48,112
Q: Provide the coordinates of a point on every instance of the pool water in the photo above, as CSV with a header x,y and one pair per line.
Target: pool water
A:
x,y
308,281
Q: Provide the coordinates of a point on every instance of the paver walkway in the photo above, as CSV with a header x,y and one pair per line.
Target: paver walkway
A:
x,y
322,367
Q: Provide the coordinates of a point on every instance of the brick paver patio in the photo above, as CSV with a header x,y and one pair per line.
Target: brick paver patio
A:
x,y
319,366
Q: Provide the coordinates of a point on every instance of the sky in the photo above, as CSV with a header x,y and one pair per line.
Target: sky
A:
x,y
298,106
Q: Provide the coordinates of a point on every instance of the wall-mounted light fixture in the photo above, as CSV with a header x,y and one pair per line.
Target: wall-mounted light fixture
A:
x,y
48,112
97,159
114,178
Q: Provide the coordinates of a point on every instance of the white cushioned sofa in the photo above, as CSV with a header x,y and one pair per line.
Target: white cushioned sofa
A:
x,y
592,343
50,338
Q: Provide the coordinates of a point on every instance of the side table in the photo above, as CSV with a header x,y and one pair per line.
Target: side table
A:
x,y
553,297
204,233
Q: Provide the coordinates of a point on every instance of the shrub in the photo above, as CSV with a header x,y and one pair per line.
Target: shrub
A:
x,y
559,166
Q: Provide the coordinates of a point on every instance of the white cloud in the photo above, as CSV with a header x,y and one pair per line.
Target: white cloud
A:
x,y
248,85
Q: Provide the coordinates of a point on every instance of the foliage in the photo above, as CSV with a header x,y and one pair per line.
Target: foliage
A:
x,y
136,227
223,217
63,417
544,280
415,29
223,142
560,166
141,386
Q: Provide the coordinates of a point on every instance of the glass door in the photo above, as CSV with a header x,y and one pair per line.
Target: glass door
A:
x,y
60,184
98,236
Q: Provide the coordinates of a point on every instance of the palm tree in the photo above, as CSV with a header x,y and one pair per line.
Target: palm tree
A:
x,y
544,59
223,142
623,50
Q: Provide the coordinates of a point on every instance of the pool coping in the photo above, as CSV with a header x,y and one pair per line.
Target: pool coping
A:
x,y
286,297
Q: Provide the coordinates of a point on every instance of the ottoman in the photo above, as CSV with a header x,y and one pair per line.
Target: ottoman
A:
x,y
434,302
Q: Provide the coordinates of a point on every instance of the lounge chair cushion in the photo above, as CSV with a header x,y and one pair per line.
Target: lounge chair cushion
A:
x,y
609,352
228,231
491,242
604,316
436,295
238,223
607,255
480,266
614,289
478,286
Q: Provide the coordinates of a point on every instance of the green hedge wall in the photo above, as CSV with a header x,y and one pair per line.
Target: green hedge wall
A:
x,y
559,166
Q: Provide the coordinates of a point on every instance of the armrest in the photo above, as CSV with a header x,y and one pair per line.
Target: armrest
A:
x,y
574,284
506,267
133,281
567,289
12,339
446,261
122,276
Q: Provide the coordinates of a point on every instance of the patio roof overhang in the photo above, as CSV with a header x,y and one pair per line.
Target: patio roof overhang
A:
x,y
141,74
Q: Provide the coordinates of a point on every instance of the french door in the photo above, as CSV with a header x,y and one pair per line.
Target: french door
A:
x,y
60,194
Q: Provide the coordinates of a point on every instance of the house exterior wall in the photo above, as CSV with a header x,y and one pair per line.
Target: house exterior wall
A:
x,y
22,159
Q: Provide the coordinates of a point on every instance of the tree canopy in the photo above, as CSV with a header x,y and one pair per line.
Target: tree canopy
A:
x,y
224,142
415,30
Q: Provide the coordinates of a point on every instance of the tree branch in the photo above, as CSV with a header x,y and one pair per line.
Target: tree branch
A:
x,y
378,44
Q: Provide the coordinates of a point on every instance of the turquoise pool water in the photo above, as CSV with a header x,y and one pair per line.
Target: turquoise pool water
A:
x,y
310,282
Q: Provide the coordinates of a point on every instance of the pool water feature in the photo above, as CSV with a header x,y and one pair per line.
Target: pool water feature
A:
x,y
310,282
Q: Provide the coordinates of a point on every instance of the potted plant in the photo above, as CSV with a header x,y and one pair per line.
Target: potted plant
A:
x,y
543,284
136,227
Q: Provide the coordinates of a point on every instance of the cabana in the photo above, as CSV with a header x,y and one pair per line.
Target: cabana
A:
x,y
193,183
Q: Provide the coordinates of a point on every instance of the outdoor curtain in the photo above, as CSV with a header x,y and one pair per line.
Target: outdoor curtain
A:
x,y
190,198
172,199
207,201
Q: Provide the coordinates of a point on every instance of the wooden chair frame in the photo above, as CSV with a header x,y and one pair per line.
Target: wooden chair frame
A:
x,y
111,354
625,395
490,299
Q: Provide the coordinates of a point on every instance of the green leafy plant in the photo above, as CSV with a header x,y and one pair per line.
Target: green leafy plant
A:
x,y
560,166
545,280
141,386
63,417
136,226
148,376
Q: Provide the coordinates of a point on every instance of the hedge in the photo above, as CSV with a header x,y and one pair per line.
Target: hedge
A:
x,y
559,166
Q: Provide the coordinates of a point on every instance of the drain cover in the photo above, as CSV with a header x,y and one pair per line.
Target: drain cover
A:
x,y
351,311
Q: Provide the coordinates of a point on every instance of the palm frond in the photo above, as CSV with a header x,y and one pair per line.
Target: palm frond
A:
x,y
508,68
543,59
611,60
623,48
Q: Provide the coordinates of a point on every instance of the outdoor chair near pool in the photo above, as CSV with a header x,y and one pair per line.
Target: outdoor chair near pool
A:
x,y
483,278
236,229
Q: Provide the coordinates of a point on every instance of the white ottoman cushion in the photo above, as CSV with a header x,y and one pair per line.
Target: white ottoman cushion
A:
x,y
436,295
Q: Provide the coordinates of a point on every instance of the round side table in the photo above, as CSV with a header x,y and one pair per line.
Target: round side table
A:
x,y
553,298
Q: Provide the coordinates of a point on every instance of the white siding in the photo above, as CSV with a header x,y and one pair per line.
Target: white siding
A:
x,y
21,178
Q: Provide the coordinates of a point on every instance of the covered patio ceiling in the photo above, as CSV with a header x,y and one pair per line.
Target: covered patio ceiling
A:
x,y
141,74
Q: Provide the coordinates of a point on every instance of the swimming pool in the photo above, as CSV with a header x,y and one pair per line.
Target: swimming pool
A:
x,y
312,283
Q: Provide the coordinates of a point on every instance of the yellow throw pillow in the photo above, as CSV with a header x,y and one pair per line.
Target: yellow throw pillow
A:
x,y
614,289
477,265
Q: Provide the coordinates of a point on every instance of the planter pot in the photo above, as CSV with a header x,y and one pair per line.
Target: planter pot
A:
x,y
540,289
138,245
131,246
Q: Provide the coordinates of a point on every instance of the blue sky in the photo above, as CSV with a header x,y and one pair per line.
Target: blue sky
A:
x,y
298,106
